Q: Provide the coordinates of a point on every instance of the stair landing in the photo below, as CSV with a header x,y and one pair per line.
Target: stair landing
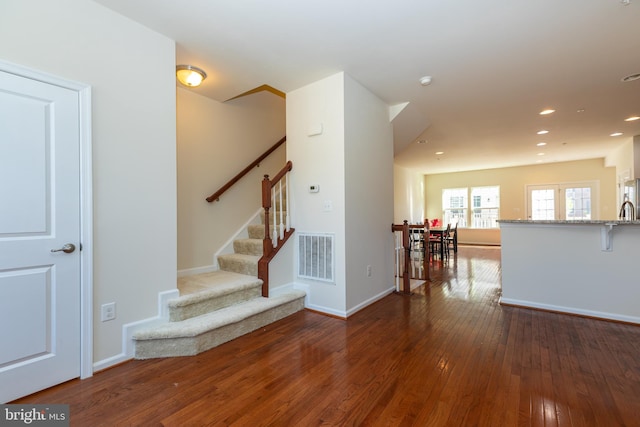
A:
x,y
213,308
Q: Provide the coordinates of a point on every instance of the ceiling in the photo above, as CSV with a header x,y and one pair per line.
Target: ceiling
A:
x,y
494,66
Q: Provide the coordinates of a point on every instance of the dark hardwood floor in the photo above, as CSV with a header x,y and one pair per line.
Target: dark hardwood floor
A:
x,y
449,355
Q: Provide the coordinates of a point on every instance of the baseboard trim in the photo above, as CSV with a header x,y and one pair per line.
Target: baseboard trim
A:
x,y
328,311
130,328
370,301
110,362
322,313
599,315
341,314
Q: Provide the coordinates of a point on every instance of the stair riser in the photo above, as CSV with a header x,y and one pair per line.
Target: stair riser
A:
x,y
177,314
256,231
190,346
248,247
248,268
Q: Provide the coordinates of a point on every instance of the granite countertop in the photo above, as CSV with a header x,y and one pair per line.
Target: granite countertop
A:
x,y
570,222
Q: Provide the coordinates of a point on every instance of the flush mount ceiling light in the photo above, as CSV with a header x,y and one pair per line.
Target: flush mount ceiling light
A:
x,y
425,81
189,75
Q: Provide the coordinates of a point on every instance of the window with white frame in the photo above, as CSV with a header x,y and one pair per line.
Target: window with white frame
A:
x,y
454,206
484,211
486,207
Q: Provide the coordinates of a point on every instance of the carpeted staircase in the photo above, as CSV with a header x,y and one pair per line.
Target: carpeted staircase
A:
x,y
216,307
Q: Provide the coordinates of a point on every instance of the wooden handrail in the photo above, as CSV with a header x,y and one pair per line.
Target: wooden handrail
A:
x,y
216,196
287,168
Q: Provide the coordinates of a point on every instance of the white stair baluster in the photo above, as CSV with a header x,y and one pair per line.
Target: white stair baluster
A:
x,y
274,239
281,210
287,224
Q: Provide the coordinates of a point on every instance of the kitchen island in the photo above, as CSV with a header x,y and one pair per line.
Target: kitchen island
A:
x,y
589,268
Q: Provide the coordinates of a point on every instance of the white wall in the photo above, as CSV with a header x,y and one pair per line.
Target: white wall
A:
x,y
131,71
352,162
369,196
408,196
319,160
622,158
215,142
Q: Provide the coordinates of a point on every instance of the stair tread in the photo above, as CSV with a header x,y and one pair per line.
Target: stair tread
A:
x,y
249,240
218,279
198,325
241,256
210,285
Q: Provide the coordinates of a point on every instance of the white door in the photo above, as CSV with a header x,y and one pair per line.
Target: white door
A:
x,y
39,215
569,201
543,202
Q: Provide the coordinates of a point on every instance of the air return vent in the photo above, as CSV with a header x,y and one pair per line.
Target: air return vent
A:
x,y
315,256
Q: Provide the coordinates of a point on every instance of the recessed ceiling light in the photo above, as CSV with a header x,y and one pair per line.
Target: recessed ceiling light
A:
x,y
422,141
439,152
543,132
540,154
631,77
547,112
580,110
541,144
616,134
632,118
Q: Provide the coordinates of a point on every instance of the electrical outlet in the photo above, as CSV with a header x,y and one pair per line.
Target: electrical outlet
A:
x,y
108,311
368,271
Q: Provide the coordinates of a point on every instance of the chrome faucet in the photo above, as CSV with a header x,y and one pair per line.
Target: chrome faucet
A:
x,y
631,211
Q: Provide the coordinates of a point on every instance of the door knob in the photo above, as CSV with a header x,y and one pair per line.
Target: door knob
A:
x,y
67,249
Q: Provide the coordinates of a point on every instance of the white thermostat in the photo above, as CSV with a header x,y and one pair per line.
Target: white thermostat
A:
x,y
314,188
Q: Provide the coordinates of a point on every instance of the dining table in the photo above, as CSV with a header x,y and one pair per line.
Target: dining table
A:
x,y
439,232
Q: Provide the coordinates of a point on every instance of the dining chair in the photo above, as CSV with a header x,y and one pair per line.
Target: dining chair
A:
x,y
438,242
452,239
